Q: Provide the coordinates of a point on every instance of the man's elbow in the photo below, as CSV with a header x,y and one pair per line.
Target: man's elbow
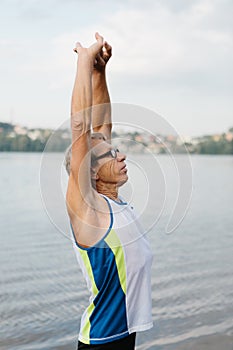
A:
x,y
79,123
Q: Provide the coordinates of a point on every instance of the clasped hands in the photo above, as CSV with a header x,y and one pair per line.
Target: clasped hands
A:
x,y
100,52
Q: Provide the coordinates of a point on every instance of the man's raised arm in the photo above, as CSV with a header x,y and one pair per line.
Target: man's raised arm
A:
x,y
79,181
101,113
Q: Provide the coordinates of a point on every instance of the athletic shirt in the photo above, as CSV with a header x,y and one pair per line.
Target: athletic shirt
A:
x,y
117,271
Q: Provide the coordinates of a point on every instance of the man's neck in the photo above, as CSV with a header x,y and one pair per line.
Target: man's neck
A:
x,y
109,190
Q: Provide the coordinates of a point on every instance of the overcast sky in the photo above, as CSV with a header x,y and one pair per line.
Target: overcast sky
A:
x,y
172,56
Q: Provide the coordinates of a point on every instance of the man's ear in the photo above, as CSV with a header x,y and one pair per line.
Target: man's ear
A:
x,y
94,174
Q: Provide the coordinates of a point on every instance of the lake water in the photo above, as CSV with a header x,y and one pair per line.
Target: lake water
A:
x,y
42,291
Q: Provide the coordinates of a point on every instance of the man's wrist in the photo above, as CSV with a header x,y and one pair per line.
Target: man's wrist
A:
x,y
99,73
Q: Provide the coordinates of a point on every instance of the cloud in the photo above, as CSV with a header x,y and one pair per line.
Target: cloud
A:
x,y
161,40
163,51
158,41
29,9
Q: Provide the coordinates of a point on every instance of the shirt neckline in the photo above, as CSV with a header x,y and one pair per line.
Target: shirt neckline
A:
x,y
113,200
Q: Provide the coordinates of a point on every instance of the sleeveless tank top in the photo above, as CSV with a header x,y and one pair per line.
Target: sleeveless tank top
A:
x,y
117,271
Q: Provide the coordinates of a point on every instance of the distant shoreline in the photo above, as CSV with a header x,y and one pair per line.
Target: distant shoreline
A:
x,y
14,138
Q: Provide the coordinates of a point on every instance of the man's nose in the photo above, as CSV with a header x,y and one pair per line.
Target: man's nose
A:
x,y
121,156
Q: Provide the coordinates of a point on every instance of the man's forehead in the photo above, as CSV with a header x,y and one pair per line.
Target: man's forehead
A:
x,y
100,146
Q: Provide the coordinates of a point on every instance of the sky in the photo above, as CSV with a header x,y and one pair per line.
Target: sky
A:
x,y
173,57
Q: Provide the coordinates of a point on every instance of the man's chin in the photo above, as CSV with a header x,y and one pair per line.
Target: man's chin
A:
x,y
123,181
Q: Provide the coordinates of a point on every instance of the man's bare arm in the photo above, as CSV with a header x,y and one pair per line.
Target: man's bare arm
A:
x,y
79,186
101,113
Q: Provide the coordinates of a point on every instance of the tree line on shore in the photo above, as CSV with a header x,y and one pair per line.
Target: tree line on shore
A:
x,y
19,139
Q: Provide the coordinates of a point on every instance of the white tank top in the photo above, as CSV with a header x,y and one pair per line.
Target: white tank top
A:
x,y
118,274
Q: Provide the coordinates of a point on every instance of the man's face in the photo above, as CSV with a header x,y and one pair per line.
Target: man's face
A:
x,y
108,163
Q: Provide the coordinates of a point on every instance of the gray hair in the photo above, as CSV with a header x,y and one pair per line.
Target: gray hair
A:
x,y
68,152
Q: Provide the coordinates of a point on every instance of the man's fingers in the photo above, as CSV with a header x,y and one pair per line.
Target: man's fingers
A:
x,y
97,46
100,60
108,48
99,38
77,46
